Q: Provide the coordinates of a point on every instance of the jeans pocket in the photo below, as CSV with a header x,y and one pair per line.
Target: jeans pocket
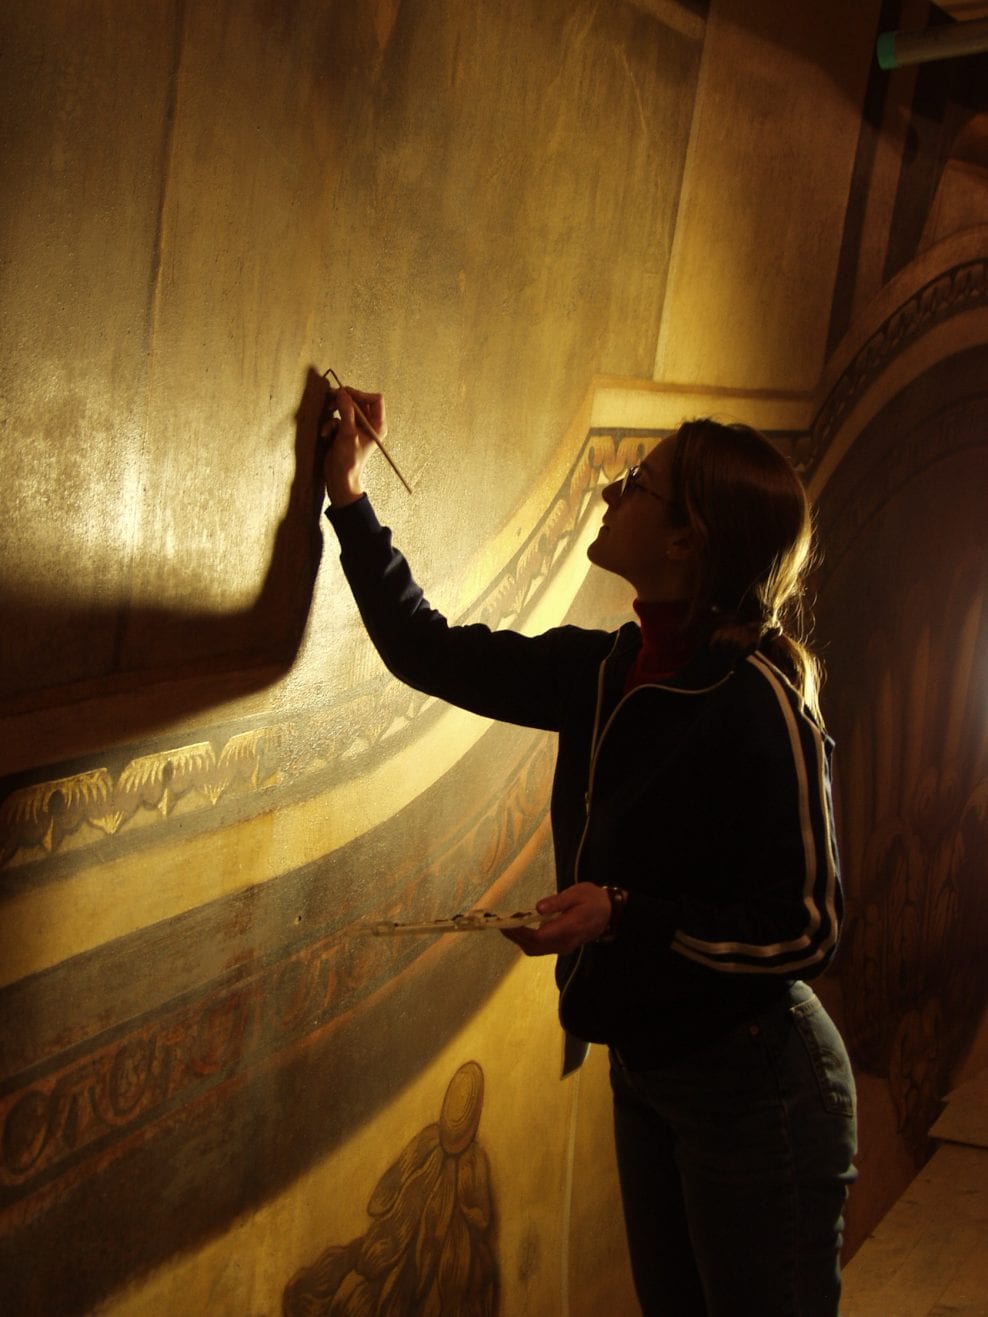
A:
x,y
828,1056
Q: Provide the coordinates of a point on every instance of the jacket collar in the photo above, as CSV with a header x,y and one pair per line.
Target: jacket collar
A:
x,y
708,667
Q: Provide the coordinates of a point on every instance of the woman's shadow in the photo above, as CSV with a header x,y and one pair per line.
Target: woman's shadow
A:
x,y
158,665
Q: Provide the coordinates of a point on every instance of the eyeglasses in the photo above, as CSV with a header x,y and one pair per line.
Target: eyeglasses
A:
x,y
630,481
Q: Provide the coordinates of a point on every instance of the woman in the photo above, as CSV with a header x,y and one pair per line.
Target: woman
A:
x,y
694,849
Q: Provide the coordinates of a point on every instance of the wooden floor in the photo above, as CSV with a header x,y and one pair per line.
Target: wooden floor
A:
x,y
929,1256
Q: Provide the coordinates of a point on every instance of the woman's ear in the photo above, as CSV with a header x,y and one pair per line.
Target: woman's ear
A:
x,y
679,546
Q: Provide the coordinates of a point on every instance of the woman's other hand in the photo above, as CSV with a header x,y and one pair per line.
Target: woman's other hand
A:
x,y
581,914
348,445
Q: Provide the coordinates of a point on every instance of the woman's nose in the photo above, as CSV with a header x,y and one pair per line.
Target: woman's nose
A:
x,y
611,493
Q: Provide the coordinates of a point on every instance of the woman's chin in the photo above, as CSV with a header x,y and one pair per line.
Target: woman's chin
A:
x,y
595,549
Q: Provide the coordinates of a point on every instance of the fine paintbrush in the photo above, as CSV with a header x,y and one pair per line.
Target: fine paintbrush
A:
x,y
370,430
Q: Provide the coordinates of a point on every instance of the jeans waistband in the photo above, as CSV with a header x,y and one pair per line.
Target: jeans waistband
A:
x,y
647,1053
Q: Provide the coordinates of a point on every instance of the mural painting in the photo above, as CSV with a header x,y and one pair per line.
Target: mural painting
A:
x,y
897,452
184,1083
206,780
903,520
259,989
432,1244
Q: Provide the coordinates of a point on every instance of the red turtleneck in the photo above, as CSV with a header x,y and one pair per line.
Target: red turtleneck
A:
x,y
665,646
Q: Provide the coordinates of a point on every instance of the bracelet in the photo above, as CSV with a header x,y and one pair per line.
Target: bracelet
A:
x,y
619,900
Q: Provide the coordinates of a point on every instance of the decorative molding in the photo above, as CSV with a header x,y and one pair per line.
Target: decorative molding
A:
x,y
963,287
958,426
38,818
70,1113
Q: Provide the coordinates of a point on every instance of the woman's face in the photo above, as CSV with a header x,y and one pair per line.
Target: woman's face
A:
x,y
641,537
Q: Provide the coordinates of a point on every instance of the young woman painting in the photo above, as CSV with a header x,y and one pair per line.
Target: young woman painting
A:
x,y
698,884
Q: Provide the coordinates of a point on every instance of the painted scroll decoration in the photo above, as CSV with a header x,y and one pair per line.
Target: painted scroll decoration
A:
x,y
430,1247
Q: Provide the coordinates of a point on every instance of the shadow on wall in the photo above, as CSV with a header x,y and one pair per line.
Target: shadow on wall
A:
x,y
236,654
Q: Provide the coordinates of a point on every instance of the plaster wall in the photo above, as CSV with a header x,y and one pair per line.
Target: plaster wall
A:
x,y
759,224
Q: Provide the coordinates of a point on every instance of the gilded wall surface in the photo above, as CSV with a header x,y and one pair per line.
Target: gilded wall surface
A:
x,y
547,231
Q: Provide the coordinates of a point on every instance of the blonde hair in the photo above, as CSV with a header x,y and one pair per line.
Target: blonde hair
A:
x,y
748,510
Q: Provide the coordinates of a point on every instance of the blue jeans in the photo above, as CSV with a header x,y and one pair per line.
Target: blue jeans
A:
x,y
734,1164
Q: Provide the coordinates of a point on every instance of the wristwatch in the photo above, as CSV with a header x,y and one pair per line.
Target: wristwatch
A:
x,y
619,901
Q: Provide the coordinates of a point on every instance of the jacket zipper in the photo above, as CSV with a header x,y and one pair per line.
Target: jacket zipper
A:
x,y
595,743
597,740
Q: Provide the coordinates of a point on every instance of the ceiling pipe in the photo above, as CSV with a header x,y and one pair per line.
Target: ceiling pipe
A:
x,y
894,49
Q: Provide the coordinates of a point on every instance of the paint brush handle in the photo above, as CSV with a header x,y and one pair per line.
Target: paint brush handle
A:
x,y
370,430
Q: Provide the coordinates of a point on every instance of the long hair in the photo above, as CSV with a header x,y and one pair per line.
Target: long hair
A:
x,y
751,518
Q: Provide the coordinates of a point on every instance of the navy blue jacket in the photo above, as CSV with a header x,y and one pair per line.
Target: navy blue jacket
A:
x,y
707,797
